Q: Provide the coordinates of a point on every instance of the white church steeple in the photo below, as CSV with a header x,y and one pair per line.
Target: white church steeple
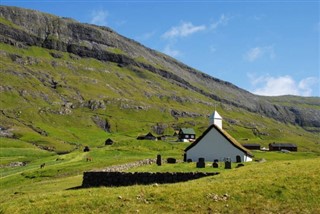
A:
x,y
216,119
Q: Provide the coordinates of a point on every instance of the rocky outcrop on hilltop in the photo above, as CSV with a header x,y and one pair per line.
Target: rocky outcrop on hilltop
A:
x,y
21,28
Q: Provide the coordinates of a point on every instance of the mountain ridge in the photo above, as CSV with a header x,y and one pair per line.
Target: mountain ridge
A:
x,y
26,28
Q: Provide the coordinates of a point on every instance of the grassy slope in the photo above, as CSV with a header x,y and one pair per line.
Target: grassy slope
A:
x,y
31,104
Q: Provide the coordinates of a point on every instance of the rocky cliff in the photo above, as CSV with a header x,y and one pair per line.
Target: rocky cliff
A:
x,y
23,28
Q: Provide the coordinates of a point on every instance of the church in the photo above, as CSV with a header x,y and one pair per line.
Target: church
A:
x,y
216,144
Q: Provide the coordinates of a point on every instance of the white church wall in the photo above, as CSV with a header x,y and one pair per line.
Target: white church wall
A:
x,y
215,146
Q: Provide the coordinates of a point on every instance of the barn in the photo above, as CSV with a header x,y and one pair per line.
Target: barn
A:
x,y
283,146
217,144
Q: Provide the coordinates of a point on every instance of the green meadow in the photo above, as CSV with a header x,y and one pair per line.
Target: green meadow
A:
x,y
284,183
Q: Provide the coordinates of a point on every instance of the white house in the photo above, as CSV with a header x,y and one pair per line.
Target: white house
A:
x,y
217,144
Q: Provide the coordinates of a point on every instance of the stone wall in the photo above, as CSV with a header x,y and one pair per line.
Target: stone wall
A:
x,y
108,178
123,167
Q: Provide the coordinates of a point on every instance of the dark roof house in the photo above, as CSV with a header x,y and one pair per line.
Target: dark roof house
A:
x,y
148,136
251,146
283,146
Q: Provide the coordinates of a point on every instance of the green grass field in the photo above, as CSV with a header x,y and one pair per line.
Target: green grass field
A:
x,y
285,183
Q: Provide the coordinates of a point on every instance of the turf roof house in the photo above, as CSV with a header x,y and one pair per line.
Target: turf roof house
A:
x,y
217,144
186,135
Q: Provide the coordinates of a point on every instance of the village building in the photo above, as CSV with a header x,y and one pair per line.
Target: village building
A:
x,y
148,136
186,135
283,146
252,146
217,144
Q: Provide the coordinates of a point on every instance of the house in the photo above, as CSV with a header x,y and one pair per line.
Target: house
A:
x,y
108,142
148,136
251,146
283,146
186,135
217,144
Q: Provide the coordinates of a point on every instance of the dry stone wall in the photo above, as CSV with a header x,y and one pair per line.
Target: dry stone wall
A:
x,y
123,167
95,179
113,176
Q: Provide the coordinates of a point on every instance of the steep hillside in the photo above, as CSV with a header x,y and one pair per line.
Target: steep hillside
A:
x,y
65,84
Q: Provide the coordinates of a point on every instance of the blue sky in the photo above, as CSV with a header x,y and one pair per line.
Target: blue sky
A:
x,y
266,47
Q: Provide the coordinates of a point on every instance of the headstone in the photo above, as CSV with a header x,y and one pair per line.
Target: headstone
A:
x,y
201,163
215,165
227,164
159,160
171,160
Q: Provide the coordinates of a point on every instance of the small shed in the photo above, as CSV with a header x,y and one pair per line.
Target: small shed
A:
x,y
283,146
108,142
251,146
148,136
186,134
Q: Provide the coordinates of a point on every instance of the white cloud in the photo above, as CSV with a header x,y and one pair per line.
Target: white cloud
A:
x,y
99,17
282,85
223,20
306,85
253,54
183,30
171,52
258,52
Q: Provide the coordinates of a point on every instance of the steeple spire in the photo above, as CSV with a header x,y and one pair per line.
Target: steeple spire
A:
x,y
216,119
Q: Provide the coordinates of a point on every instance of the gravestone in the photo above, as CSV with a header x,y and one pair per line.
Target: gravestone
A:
x,y
227,163
159,160
215,165
171,160
201,163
